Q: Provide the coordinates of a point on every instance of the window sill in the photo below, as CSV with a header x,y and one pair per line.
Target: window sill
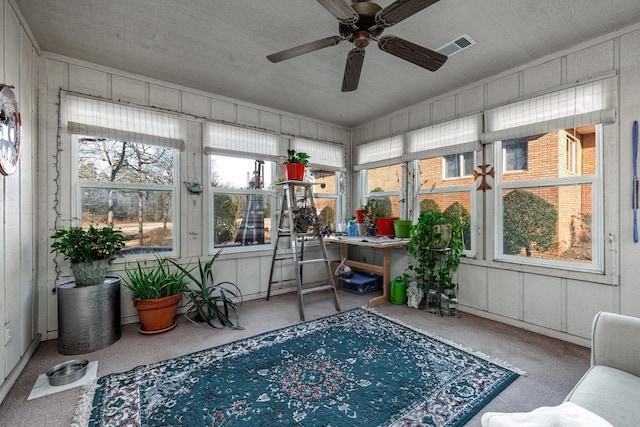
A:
x,y
551,271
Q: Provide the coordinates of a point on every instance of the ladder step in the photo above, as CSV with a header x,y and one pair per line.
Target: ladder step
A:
x,y
283,281
312,261
327,287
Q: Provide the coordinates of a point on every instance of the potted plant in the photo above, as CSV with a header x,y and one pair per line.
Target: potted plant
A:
x,y
208,301
294,165
379,212
436,244
89,251
303,218
89,306
156,294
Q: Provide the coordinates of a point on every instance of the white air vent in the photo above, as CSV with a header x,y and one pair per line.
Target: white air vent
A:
x,y
458,45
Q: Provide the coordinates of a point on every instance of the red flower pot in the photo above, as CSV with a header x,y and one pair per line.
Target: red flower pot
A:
x,y
360,215
384,227
294,171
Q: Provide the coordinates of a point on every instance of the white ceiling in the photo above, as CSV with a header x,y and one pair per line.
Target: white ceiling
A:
x,y
220,46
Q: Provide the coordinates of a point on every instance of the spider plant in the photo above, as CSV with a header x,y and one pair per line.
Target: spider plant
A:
x,y
209,302
157,282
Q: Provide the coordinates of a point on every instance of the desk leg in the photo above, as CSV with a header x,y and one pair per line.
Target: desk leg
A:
x,y
344,254
386,279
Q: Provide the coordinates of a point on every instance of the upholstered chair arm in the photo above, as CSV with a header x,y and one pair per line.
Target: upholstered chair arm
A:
x,y
615,342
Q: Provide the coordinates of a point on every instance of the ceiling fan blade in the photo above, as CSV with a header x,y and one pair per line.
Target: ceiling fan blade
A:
x,y
399,10
421,56
352,69
340,10
305,48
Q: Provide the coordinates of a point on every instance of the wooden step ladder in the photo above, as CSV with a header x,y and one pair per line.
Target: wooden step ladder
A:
x,y
291,205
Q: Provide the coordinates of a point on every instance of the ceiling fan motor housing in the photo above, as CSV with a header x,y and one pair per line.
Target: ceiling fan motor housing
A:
x,y
367,20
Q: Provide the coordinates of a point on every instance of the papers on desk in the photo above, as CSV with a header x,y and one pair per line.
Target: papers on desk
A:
x,y
379,240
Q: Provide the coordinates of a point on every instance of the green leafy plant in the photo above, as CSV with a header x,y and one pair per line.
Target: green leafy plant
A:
x,y
296,157
458,209
155,282
428,205
95,243
529,223
377,207
208,301
436,244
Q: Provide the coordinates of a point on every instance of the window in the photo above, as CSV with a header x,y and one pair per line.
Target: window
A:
x,y
549,212
327,165
454,195
241,173
326,196
515,155
132,186
458,165
546,213
125,161
384,183
571,153
241,201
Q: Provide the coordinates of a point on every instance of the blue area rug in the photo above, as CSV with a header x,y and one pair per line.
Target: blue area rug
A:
x,y
354,368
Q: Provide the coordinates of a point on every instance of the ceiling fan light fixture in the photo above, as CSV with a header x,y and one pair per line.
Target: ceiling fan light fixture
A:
x,y
361,39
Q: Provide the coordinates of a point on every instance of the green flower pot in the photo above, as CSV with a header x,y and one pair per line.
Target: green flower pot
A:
x,y
402,228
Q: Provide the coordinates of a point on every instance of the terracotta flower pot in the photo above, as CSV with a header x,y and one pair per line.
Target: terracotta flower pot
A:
x,y
294,171
157,315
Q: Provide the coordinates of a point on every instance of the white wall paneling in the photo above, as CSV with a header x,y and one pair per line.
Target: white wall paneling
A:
x,y
18,299
242,269
558,303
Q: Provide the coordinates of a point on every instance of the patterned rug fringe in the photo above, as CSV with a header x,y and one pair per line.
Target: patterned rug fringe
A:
x,y
481,355
82,414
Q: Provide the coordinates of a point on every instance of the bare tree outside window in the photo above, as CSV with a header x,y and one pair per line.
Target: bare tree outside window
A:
x,y
129,185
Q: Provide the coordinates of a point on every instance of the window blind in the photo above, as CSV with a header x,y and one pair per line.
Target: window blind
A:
x,y
379,153
106,119
587,104
238,141
454,136
321,154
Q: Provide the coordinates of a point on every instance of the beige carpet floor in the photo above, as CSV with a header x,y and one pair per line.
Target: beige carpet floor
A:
x,y
552,366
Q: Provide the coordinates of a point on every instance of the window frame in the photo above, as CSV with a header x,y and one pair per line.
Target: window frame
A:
x,y
597,184
468,188
174,189
460,164
269,192
364,184
504,156
339,211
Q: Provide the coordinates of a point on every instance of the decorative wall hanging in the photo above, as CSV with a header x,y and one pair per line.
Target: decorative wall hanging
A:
x,y
193,187
10,129
485,170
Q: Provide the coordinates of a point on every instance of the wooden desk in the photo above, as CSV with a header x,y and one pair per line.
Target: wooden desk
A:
x,y
374,243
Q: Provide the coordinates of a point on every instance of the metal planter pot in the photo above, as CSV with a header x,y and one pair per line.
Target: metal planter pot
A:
x,y
88,316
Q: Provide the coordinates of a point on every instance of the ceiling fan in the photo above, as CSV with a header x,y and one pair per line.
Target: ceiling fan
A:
x,y
362,22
